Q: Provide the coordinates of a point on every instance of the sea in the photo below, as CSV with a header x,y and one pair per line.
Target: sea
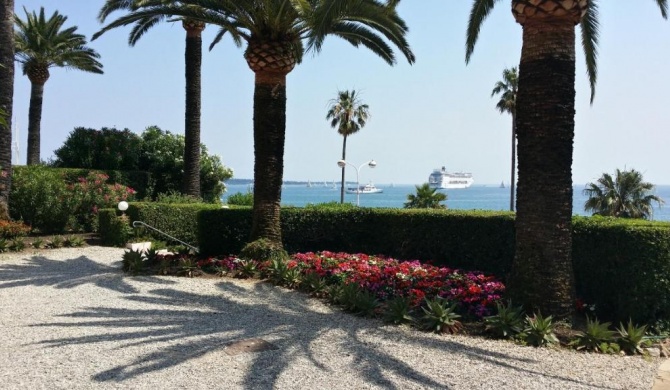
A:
x,y
476,197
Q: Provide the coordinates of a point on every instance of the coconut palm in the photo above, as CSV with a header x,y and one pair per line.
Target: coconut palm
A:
x,y
507,88
277,34
6,99
624,196
42,43
426,198
193,64
348,114
542,275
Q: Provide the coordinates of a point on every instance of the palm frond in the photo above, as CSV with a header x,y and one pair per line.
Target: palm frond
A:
x,y
590,36
481,9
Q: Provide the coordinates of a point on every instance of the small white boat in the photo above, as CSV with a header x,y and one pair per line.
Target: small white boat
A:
x,y
366,189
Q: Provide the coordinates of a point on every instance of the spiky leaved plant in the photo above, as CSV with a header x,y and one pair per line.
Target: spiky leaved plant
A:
x,y
597,337
507,322
632,338
440,317
539,331
397,310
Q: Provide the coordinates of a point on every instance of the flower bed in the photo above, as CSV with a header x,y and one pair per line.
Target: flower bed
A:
x,y
385,278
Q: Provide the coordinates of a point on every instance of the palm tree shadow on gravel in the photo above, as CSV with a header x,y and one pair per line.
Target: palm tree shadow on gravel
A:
x,y
193,325
69,273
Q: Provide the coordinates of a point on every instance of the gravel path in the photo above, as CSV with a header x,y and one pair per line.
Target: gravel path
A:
x,y
70,319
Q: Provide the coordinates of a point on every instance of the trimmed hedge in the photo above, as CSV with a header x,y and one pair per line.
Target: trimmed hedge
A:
x,y
137,180
623,267
469,239
177,220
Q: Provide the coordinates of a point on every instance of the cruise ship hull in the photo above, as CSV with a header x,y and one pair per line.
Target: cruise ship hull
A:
x,y
441,179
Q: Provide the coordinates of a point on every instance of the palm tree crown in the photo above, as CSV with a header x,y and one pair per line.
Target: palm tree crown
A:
x,y
43,43
507,89
625,196
426,198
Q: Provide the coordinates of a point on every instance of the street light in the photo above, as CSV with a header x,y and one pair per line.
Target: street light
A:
x,y
342,164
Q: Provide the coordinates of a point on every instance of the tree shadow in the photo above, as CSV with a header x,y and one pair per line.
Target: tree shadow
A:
x,y
193,325
70,273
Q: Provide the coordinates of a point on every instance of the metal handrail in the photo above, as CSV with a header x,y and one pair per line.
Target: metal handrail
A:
x,y
140,223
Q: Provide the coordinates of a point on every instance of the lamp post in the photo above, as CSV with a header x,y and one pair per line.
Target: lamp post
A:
x,y
371,164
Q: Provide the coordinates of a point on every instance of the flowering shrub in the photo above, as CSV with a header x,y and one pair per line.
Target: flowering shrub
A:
x,y
91,193
10,229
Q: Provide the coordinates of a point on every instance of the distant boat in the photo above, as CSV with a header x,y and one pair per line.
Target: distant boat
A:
x,y
366,189
441,179
309,183
502,184
392,185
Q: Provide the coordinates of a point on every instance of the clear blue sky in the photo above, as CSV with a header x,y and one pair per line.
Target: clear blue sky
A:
x,y
434,113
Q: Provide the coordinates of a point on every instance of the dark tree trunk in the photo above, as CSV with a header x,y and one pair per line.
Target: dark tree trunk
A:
x,y
193,59
269,135
6,99
512,182
34,122
344,158
542,274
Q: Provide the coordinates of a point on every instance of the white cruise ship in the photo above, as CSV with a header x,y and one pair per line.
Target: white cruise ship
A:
x,y
442,179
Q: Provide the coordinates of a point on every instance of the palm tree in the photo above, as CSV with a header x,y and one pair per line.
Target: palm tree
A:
x,y
426,198
625,196
542,275
507,88
193,64
278,33
41,44
348,115
6,99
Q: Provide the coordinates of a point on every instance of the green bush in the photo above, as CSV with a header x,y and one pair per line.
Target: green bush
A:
x,y
40,198
114,230
623,267
177,220
240,199
473,239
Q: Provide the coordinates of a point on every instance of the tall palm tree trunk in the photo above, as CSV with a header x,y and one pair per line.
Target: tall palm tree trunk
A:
x,y
542,274
269,136
6,99
193,60
344,157
34,121
512,182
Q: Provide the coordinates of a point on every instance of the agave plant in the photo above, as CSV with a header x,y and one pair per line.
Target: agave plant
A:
x,y
56,242
539,331
37,243
365,303
247,269
439,317
597,337
632,339
397,310
186,266
133,262
74,242
276,271
508,322
17,245
4,245
291,277
314,283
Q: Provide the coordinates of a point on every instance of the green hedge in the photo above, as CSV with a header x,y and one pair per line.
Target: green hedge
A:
x,y
113,230
137,180
623,267
177,220
472,239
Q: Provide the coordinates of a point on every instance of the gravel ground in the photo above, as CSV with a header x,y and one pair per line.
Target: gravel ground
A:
x,y
70,319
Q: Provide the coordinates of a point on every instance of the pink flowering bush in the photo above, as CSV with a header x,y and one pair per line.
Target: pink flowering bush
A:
x,y
92,193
